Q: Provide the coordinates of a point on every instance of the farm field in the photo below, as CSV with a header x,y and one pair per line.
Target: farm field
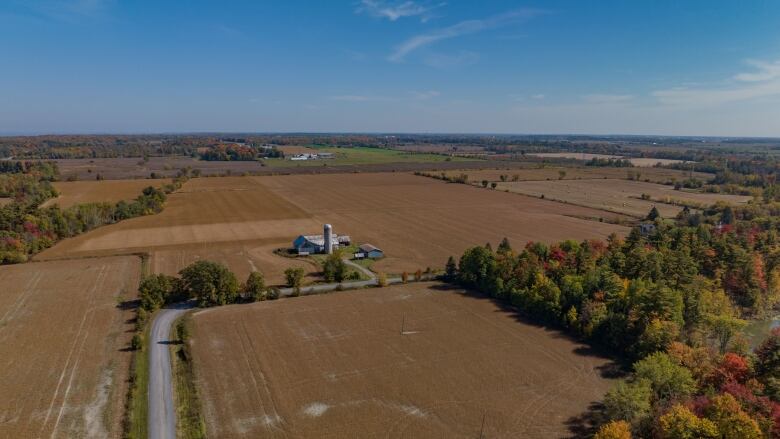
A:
x,y
417,221
93,191
618,195
62,335
654,175
636,161
337,365
132,168
364,156
4,201
293,149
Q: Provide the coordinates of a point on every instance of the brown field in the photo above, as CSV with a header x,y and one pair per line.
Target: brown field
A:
x,y
443,149
636,161
654,175
418,221
62,335
293,149
132,168
618,195
335,366
4,201
109,191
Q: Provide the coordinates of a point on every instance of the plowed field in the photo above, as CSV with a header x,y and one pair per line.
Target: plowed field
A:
x,y
107,191
62,340
340,365
418,221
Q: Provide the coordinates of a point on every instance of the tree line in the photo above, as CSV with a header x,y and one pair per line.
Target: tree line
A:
x,y
673,303
26,228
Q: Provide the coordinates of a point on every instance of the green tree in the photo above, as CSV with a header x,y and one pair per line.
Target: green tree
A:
x,y
294,277
629,401
254,288
727,217
334,269
451,270
156,290
210,283
653,214
667,379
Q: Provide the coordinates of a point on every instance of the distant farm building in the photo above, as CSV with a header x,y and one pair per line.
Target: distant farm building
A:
x,y
370,252
311,156
311,244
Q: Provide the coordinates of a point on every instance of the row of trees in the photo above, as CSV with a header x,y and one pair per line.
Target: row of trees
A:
x,y
209,283
26,228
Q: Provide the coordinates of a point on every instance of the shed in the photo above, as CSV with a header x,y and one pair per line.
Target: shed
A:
x,y
371,252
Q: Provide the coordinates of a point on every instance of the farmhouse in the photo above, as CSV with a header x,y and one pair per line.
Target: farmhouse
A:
x,y
308,244
370,252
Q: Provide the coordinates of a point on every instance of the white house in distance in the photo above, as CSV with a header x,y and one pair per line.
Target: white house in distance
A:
x,y
313,156
310,244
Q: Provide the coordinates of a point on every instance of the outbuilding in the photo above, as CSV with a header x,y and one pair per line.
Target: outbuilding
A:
x,y
369,251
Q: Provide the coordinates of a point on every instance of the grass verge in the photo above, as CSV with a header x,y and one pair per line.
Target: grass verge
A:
x,y
189,419
137,405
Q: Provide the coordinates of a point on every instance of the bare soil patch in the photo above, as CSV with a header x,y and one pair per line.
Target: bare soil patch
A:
x,y
338,365
62,339
108,191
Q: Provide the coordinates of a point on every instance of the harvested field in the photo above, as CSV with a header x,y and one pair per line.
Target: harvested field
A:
x,y
293,149
335,366
62,341
418,221
131,168
636,161
109,191
618,195
654,175
4,201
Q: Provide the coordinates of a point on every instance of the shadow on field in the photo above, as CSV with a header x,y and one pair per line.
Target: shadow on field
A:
x,y
586,423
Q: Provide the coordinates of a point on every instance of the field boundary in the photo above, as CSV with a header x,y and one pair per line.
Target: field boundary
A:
x,y
189,414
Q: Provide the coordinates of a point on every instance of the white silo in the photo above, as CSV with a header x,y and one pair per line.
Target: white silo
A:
x,y
328,235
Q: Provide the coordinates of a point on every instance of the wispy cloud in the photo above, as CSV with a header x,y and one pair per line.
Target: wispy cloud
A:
x,y
538,96
762,82
599,98
460,29
394,11
425,95
70,10
765,72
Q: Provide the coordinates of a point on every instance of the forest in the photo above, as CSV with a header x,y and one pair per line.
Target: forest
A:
x,y
671,303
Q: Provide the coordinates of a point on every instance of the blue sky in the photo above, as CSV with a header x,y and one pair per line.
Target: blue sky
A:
x,y
624,67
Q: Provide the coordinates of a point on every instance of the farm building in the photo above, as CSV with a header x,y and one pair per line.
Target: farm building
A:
x,y
370,252
308,244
